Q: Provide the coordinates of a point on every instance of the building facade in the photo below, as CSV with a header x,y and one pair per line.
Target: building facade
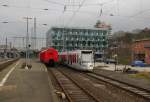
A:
x,y
77,38
141,50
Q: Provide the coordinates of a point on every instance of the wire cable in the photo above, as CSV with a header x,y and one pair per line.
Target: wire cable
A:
x,y
74,14
54,2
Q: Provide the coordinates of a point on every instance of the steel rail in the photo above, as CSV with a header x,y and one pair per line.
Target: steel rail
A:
x,y
6,63
69,97
66,93
86,91
123,85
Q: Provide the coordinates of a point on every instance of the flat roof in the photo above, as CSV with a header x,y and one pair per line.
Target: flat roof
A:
x,y
78,28
141,40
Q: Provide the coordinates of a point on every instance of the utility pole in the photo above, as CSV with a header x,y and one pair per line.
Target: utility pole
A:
x,y
32,38
10,45
23,42
27,41
63,40
34,33
6,48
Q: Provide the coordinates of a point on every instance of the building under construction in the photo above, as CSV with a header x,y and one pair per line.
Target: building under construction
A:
x,y
77,38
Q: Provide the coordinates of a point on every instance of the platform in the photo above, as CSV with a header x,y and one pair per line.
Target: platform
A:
x,y
26,85
111,67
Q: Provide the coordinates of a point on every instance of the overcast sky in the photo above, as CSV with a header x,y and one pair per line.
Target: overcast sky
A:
x,y
127,15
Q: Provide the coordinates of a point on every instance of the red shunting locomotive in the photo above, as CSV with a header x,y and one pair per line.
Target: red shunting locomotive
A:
x,y
49,56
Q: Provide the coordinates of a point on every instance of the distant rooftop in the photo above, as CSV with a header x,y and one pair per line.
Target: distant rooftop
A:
x,y
147,39
88,28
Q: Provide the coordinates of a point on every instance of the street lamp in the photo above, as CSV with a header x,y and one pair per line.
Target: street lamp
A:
x,y
27,41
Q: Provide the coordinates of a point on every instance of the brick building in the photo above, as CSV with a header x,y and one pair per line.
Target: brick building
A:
x,y
141,50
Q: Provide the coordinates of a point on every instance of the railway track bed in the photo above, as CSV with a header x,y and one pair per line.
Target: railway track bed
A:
x,y
124,77
125,86
89,87
73,92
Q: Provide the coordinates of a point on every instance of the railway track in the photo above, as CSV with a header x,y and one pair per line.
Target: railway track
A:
x,y
92,87
73,91
134,91
5,63
125,86
98,90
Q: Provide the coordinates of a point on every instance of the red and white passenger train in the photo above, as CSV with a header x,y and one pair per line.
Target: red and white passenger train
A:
x,y
78,59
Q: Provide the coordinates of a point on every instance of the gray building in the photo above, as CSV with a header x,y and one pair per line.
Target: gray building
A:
x,y
77,38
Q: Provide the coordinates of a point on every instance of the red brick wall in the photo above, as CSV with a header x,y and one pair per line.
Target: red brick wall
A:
x,y
138,48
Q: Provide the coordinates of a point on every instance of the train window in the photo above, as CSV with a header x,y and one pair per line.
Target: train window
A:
x,y
86,52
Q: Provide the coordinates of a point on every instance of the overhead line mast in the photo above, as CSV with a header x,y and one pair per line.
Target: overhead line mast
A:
x,y
27,41
34,33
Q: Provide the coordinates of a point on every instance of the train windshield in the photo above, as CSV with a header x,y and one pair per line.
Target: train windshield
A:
x,y
86,52
87,56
